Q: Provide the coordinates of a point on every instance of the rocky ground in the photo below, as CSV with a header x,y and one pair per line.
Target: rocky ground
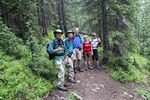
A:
x,y
98,85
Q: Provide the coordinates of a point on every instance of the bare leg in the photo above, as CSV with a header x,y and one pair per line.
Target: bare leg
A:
x,y
89,62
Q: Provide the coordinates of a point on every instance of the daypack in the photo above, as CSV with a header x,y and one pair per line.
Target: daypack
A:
x,y
51,55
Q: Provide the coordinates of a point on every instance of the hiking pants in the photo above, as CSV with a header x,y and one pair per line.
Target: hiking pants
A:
x,y
61,73
70,67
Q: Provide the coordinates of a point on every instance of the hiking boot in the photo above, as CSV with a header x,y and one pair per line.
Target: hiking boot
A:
x,y
98,67
90,67
85,67
72,80
65,85
81,69
63,88
93,65
75,70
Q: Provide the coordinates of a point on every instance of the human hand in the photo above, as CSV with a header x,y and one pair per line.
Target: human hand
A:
x,y
65,61
92,53
58,49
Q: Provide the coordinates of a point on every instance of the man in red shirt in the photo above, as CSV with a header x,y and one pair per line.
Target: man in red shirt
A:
x,y
87,52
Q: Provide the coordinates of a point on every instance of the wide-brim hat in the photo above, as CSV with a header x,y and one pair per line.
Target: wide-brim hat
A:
x,y
58,31
70,31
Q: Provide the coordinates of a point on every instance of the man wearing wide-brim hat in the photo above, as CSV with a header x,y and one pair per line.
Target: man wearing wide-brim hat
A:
x,y
57,48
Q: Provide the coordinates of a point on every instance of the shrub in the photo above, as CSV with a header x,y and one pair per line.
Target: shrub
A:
x,y
131,67
17,81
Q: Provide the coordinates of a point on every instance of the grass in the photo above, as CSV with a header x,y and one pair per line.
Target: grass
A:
x,y
144,93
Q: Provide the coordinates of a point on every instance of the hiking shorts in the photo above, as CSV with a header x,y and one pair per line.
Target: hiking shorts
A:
x,y
77,54
95,55
87,55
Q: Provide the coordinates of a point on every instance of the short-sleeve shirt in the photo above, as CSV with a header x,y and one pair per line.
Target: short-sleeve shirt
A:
x,y
77,41
86,46
95,42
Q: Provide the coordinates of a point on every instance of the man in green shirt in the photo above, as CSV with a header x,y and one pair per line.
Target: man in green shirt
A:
x,y
57,48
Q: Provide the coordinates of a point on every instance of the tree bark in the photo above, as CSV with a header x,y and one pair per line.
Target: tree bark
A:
x,y
62,19
105,31
63,16
60,15
117,40
43,22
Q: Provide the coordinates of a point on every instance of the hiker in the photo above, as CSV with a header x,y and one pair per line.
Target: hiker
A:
x,y
95,43
87,52
77,43
57,49
69,53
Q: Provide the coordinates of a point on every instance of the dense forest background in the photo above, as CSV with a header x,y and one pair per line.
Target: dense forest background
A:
x,y
27,25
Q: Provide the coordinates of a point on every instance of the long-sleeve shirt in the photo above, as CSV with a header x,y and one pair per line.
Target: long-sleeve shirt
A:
x,y
69,47
54,44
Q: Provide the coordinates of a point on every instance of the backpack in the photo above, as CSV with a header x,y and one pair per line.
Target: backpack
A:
x,y
51,56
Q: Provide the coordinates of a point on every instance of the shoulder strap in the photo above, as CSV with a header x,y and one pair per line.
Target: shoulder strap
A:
x,y
90,42
54,43
92,39
83,42
80,38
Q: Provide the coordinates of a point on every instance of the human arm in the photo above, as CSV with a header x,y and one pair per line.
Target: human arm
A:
x,y
50,48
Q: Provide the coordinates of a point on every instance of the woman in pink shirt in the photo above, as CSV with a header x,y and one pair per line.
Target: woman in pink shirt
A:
x,y
87,52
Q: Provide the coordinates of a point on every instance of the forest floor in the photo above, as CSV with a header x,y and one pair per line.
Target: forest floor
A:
x,y
98,85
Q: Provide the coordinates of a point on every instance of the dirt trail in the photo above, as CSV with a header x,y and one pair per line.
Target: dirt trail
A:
x,y
98,85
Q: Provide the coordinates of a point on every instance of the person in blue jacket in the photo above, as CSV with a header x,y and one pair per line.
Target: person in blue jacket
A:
x,y
69,54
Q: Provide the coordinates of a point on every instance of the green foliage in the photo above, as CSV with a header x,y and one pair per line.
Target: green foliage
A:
x,y
131,67
10,43
127,9
39,62
74,96
17,80
144,92
143,31
25,70
43,67
127,41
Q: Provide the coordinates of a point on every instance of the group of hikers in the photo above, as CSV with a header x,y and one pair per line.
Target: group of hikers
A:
x,y
68,53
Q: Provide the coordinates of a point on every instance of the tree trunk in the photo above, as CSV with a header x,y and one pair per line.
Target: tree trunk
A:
x,y
63,16
42,17
105,31
62,20
117,40
60,15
